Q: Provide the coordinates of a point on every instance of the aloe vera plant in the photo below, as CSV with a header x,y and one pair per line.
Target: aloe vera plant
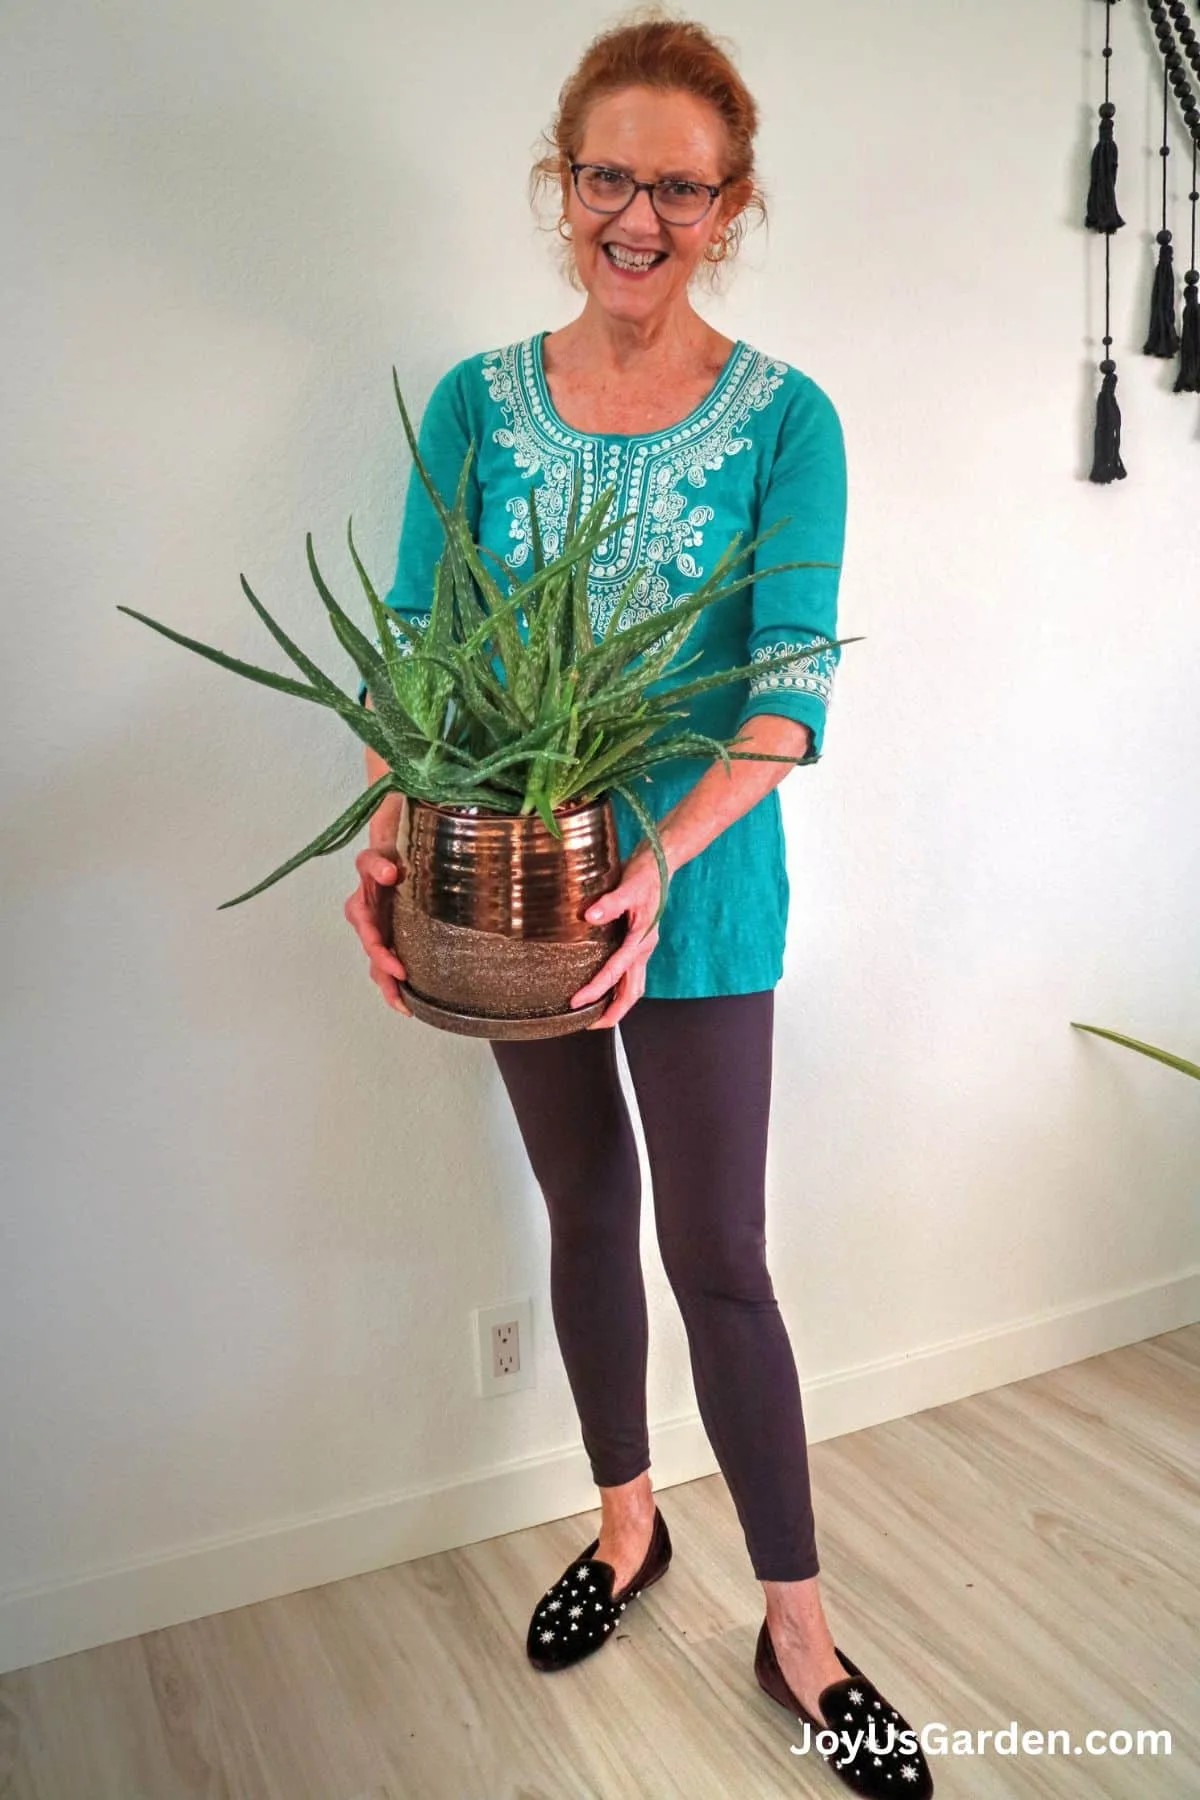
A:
x,y
506,699
1163,1056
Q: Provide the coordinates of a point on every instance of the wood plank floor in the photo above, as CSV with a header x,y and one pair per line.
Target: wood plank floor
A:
x,y
1030,1553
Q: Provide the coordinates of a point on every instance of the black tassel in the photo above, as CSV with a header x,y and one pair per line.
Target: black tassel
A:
x,y
1102,214
1163,339
1188,379
1107,464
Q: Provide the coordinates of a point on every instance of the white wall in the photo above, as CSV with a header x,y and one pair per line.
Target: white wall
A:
x,y
248,1208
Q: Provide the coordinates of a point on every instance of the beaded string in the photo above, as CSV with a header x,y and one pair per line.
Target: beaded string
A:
x,y
1102,215
1162,338
1170,23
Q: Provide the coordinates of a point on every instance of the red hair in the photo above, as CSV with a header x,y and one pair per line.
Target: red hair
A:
x,y
658,51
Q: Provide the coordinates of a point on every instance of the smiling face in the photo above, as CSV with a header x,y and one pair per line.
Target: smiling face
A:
x,y
652,136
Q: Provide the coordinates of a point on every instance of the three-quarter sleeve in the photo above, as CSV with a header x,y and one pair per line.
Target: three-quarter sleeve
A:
x,y
805,486
443,440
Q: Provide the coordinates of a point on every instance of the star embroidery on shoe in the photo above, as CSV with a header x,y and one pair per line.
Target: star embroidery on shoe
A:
x,y
554,1606
909,1771
856,1696
575,1612
546,1636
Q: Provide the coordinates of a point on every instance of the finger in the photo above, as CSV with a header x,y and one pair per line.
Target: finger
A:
x,y
618,964
365,923
609,906
626,995
387,962
391,993
376,866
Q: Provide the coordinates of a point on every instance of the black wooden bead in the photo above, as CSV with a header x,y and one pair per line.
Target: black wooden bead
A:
x,y
1107,110
1106,340
1107,367
1163,237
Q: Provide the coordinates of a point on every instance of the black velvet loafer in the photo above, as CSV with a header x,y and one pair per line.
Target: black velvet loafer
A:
x,y
580,1613
877,1753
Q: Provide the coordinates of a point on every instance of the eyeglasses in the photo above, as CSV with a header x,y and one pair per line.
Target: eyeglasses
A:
x,y
606,190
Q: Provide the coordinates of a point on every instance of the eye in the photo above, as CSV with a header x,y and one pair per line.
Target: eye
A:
x,y
608,177
682,190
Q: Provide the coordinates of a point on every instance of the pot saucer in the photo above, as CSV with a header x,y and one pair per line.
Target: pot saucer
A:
x,y
484,1025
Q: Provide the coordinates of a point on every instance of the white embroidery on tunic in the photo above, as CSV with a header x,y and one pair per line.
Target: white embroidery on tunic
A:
x,y
421,621
649,473
813,675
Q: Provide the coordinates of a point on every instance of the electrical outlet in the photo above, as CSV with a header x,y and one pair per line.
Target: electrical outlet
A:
x,y
504,1347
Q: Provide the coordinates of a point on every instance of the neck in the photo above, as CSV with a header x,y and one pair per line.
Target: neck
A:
x,y
672,337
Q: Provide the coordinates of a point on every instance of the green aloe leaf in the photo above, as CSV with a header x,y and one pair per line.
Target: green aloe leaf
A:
x,y
648,825
334,837
1163,1056
282,684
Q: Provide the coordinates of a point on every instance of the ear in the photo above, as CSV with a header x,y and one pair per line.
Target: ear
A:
x,y
734,200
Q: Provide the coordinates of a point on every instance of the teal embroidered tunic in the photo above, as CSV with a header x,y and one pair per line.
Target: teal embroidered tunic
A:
x,y
765,445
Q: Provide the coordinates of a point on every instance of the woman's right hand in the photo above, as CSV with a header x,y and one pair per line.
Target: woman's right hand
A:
x,y
369,910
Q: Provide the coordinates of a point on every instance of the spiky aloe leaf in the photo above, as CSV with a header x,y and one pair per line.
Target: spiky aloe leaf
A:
x,y
283,684
334,837
648,825
1163,1056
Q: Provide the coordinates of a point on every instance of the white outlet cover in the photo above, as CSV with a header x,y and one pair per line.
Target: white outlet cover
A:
x,y
485,1317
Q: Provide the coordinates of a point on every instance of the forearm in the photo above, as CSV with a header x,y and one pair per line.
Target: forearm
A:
x,y
718,798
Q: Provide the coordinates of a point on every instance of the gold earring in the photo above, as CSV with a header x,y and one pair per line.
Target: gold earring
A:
x,y
717,249
564,229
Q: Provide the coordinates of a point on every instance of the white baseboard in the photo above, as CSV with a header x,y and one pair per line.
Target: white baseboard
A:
x,y
84,1610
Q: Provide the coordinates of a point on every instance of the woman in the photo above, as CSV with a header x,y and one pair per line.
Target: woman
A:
x,y
704,436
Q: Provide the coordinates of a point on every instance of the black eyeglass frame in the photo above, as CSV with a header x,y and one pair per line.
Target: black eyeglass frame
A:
x,y
647,187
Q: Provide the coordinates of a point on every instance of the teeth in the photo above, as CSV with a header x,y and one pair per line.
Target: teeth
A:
x,y
631,259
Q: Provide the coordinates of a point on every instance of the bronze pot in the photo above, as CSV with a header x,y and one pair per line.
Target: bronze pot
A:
x,y
488,916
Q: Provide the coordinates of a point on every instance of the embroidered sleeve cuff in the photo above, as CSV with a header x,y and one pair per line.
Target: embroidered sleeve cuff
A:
x,y
800,691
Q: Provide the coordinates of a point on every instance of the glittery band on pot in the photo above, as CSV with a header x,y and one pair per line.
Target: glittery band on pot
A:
x,y
488,915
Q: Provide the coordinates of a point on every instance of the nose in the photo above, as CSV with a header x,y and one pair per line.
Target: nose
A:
x,y
640,216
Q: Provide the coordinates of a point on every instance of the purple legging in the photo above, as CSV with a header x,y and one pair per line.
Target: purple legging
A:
x,y
702,1075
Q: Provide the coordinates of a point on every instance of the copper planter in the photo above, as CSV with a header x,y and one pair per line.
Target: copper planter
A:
x,y
488,917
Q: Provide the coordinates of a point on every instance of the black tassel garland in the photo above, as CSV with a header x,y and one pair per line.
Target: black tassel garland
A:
x,y
1107,464
1102,214
1188,379
1163,339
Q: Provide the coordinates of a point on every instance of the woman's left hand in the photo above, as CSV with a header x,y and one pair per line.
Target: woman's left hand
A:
x,y
638,895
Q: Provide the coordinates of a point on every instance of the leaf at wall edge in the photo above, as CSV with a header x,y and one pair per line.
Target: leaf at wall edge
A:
x,y
283,684
334,837
1163,1056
